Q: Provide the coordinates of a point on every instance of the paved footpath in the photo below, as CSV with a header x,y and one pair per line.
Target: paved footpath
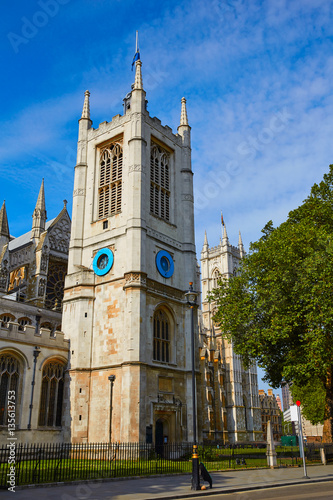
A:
x,y
175,486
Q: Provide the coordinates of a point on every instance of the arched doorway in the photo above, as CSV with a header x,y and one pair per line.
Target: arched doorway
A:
x,y
161,435
159,432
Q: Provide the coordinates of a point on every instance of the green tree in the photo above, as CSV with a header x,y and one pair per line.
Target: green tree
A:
x,y
278,309
312,395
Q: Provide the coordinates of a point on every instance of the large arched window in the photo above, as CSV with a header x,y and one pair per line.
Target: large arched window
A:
x,y
50,410
9,381
162,337
110,178
159,183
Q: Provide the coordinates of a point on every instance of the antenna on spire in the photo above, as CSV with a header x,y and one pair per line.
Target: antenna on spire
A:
x,y
137,50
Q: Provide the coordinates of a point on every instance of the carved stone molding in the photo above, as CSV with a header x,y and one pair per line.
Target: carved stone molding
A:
x,y
41,287
44,261
164,290
3,278
187,197
162,237
135,279
136,168
20,257
79,192
59,236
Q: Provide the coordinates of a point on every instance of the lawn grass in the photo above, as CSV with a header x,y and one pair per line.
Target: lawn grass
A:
x,y
69,469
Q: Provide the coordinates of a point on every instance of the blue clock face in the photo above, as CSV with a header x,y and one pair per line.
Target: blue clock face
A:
x,y
164,264
103,261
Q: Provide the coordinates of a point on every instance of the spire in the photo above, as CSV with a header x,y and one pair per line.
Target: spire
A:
x,y
206,240
183,114
4,228
86,106
138,76
225,235
205,245
222,222
184,130
40,205
39,215
240,245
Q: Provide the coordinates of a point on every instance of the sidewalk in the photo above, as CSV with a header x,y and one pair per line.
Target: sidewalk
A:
x,y
167,487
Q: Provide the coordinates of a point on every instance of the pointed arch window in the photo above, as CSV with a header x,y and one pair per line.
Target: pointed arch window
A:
x,y
110,180
9,381
22,322
50,409
162,334
5,319
216,275
159,183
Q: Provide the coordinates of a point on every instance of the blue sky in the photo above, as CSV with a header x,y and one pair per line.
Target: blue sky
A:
x,y
257,79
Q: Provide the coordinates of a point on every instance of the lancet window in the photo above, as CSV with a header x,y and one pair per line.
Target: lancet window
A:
x,y
110,180
50,410
159,183
161,337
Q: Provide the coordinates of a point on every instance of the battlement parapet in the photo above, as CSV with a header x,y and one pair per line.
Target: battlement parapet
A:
x,y
165,130
27,334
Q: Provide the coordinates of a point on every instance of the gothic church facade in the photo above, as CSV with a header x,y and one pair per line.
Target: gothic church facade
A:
x,y
33,350
230,402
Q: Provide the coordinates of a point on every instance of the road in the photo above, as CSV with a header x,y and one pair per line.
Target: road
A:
x,y
311,491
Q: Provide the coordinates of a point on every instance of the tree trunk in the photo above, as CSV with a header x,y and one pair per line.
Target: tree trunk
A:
x,y
328,423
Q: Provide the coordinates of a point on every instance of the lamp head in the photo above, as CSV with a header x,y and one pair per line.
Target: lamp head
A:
x,y
36,351
191,295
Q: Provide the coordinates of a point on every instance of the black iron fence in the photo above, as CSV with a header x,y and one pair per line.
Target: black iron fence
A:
x,y
47,463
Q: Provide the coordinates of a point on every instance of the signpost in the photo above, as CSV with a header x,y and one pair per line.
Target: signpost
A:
x,y
301,443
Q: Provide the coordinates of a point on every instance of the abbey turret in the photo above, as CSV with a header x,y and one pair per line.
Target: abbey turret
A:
x,y
230,402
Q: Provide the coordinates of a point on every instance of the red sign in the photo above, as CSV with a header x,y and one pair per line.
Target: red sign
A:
x,y
298,402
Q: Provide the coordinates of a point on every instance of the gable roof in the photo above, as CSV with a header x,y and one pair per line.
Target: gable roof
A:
x,y
25,239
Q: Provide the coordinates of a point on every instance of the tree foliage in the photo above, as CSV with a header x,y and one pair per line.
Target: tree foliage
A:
x,y
278,309
312,395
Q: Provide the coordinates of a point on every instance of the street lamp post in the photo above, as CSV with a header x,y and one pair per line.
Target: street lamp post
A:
x,y
36,354
112,378
191,297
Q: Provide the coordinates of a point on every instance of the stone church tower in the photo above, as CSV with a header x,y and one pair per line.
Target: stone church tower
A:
x,y
231,408
131,257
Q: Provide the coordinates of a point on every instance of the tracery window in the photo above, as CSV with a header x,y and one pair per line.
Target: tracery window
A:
x,y
50,410
55,285
159,183
161,337
9,378
110,180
